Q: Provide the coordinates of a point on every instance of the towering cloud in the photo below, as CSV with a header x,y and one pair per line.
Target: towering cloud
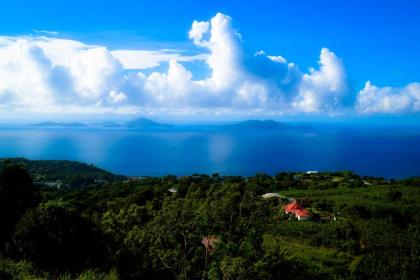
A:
x,y
225,53
323,90
26,76
229,84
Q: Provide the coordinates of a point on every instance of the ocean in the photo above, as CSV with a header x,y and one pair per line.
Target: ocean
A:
x,y
382,152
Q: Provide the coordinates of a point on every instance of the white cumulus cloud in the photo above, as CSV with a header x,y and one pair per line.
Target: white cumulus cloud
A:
x,y
389,100
197,32
229,83
277,58
116,97
144,59
47,74
323,89
25,76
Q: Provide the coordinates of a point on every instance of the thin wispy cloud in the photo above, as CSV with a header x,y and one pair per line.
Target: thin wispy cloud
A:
x,y
45,32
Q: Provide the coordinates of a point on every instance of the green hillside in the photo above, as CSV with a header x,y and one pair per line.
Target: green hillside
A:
x,y
211,227
64,173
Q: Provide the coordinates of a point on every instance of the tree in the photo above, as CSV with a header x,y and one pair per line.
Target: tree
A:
x,y
394,195
17,194
55,236
175,239
127,241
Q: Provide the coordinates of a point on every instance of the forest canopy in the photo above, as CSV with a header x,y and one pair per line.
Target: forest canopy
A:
x,y
204,226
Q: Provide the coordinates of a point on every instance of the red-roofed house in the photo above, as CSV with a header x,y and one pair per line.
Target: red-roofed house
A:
x,y
299,212
292,207
302,215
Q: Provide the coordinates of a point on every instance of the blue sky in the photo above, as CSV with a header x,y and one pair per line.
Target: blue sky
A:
x,y
376,41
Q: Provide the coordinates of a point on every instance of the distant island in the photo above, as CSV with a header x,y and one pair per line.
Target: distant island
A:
x,y
262,125
257,124
60,124
139,123
148,124
108,124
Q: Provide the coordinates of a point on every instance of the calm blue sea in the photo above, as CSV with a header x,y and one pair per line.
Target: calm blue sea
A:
x,y
390,153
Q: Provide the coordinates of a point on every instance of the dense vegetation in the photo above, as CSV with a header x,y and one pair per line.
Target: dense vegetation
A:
x,y
153,228
65,173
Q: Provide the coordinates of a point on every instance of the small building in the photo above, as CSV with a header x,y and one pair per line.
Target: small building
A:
x,y
297,177
53,184
271,196
133,178
292,207
300,213
311,172
172,190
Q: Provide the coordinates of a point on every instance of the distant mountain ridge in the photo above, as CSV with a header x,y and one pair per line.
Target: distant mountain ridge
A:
x,y
61,124
140,123
257,124
145,123
109,124
148,124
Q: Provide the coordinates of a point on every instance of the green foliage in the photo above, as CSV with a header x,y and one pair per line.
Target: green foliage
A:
x,y
55,236
70,173
17,194
12,270
394,195
413,181
138,229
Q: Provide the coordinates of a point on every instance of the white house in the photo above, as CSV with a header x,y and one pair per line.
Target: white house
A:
x,y
271,195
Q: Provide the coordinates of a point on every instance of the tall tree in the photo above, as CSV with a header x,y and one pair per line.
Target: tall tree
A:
x,y
17,194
